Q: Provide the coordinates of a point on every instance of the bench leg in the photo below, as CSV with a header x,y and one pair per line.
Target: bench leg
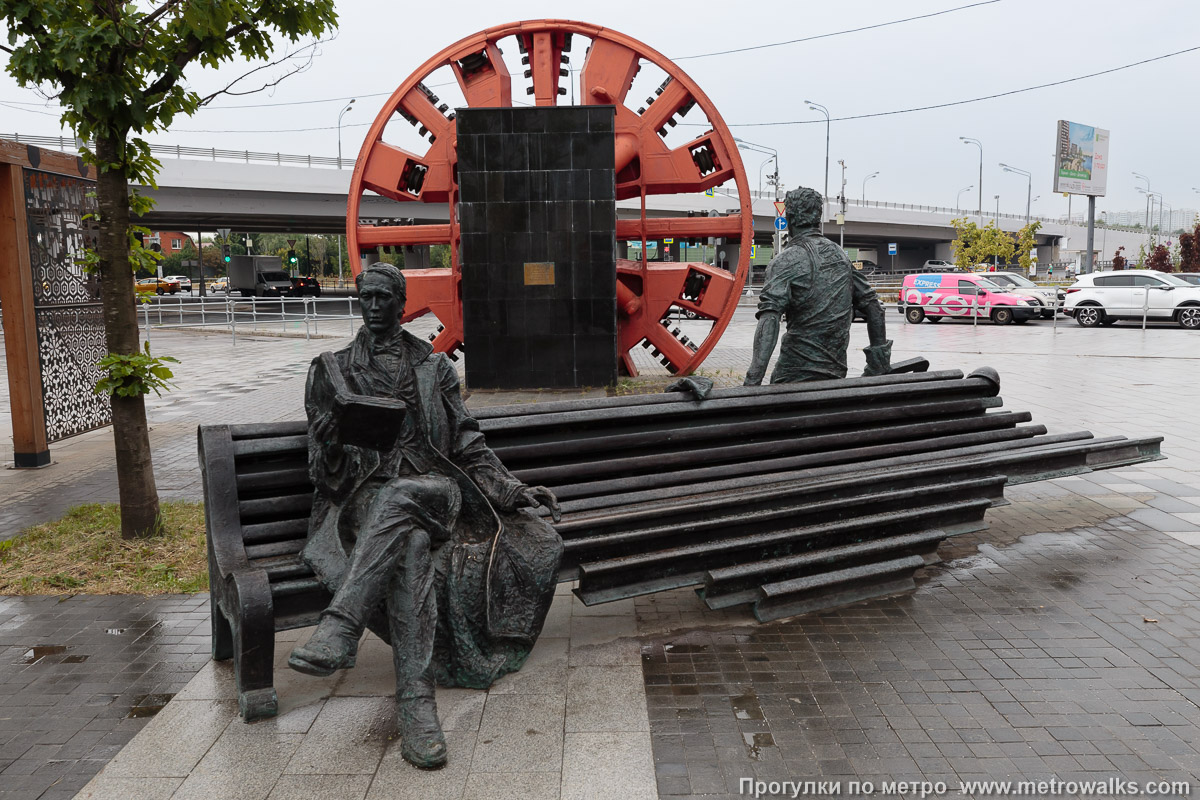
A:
x,y
254,647
222,633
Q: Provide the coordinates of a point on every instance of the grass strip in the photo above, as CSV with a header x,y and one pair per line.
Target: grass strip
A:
x,y
83,553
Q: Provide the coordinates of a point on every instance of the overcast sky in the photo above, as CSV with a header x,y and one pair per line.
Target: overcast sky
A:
x,y
1151,109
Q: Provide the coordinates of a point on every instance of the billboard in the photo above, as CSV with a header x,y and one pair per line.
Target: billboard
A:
x,y
1080,159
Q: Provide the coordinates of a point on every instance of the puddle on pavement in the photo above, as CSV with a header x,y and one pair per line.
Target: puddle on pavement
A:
x,y
74,659
681,649
148,705
35,654
755,742
745,706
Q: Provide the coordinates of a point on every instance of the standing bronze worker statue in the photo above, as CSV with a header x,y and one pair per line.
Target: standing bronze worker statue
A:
x,y
812,284
417,529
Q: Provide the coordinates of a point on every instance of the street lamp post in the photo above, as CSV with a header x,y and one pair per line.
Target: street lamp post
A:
x,y
842,199
1028,190
958,199
979,144
825,208
762,148
339,129
864,191
1147,180
996,220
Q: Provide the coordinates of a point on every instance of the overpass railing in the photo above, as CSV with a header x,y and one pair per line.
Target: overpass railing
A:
x,y
71,145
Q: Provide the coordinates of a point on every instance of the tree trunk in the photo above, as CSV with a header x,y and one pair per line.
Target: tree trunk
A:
x,y
135,472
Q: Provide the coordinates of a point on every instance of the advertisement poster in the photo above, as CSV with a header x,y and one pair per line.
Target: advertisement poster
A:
x,y
1081,159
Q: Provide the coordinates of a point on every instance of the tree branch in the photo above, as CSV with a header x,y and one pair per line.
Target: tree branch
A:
x,y
154,15
312,53
195,47
8,50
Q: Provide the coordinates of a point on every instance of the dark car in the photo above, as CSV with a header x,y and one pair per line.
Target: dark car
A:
x,y
303,285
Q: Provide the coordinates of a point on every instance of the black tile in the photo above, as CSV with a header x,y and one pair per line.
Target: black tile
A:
x,y
471,187
516,187
601,119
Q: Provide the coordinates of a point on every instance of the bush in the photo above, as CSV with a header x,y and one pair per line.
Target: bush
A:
x,y
1160,259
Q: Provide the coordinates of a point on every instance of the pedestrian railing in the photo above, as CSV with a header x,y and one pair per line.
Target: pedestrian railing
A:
x,y
249,314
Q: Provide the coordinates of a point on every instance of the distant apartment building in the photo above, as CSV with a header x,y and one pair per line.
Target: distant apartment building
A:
x,y
1171,220
171,242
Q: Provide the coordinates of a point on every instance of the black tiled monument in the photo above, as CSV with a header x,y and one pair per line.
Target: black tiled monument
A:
x,y
537,209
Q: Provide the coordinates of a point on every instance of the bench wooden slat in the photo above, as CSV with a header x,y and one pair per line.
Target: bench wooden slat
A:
x,y
690,438
288,506
665,463
274,446
293,479
259,533
665,398
282,548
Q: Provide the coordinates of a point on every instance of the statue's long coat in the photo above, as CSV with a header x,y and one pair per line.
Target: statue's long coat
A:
x,y
496,576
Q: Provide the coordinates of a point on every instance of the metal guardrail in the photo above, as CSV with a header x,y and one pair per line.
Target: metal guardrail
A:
x,y
71,145
160,313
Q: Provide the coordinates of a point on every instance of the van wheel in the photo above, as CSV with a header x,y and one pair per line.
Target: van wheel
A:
x,y
914,315
933,319
1002,316
1089,316
1189,317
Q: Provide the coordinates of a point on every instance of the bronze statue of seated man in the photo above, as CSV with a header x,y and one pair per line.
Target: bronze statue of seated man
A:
x,y
417,529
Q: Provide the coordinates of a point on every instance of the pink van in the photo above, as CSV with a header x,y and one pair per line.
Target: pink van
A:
x,y
933,296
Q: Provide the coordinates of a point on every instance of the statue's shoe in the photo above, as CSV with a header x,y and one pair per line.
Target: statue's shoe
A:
x,y
332,647
422,742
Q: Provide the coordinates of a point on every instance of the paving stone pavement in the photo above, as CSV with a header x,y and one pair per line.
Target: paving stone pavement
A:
x,y
1024,656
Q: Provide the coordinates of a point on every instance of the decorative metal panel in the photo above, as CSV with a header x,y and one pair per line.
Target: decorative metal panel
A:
x,y
66,302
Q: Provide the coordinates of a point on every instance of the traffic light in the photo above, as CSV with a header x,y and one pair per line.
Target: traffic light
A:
x,y
226,256
292,260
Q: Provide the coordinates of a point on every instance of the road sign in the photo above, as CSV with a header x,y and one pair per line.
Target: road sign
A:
x,y
291,242
780,224
779,208
710,192
891,248
753,251
668,241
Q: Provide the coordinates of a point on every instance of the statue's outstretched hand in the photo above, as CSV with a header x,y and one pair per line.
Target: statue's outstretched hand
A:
x,y
539,496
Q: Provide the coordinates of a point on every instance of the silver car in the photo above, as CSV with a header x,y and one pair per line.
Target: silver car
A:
x,y
1050,297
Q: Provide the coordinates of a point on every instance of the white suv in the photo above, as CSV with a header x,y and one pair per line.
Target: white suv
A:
x,y
185,283
1102,298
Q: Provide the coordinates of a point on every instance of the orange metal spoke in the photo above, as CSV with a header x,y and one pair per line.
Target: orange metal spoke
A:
x,y
490,85
669,346
674,97
657,228
387,169
417,105
545,65
372,237
608,73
